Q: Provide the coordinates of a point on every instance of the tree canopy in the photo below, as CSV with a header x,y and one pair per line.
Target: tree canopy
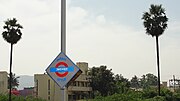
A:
x,y
155,21
102,80
105,82
12,33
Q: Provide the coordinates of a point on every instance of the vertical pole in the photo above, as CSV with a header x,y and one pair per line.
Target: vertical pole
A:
x,y
10,79
63,43
63,26
158,66
174,82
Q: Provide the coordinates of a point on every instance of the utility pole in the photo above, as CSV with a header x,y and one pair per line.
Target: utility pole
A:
x,y
174,82
63,43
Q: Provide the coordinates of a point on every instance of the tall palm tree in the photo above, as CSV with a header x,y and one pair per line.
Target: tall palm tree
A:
x,y
12,35
155,23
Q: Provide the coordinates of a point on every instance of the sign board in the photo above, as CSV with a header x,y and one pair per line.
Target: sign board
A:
x,y
62,70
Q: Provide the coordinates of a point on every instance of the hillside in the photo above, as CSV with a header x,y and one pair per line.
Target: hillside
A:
x,y
25,81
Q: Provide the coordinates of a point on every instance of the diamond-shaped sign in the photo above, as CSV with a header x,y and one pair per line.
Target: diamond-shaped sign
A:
x,y
62,70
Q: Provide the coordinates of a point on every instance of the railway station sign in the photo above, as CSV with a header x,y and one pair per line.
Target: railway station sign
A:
x,y
62,70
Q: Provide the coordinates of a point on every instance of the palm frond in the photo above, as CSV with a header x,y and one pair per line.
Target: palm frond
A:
x,y
12,33
155,21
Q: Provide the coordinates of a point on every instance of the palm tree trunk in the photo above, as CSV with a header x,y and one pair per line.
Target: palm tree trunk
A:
x,y
10,85
158,67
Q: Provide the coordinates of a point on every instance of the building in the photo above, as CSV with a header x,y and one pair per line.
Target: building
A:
x,y
164,84
80,88
174,84
3,82
28,91
46,88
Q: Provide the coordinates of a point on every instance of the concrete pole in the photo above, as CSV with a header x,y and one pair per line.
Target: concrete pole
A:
x,y
64,96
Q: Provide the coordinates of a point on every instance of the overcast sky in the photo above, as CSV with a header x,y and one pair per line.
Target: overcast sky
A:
x,y
100,32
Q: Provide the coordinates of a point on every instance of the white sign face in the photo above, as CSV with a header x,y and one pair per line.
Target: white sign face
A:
x,y
62,70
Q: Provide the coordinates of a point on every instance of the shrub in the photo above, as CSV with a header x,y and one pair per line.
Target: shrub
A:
x,y
19,98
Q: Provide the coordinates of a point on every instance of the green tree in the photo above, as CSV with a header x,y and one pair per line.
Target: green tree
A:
x,y
135,82
102,80
122,84
12,35
168,95
149,92
155,23
20,98
143,82
148,80
14,81
151,79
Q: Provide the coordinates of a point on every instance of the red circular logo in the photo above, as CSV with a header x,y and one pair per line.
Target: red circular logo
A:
x,y
63,74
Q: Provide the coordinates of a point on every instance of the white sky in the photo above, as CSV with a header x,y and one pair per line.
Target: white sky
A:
x,y
100,32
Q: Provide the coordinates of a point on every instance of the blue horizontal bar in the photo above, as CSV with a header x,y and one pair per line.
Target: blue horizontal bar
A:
x,y
62,69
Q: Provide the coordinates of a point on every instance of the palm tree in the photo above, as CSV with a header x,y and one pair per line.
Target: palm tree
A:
x,y
155,23
14,81
12,35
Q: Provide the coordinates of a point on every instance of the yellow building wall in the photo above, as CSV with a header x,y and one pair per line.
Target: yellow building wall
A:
x,y
54,93
3,82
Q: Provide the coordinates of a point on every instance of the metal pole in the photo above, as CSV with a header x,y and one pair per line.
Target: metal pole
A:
x,y
63,42
174,82
63,26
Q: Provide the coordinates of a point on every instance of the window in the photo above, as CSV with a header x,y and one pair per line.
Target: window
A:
x,y
74,83
86,84
49,85
36,87
82,84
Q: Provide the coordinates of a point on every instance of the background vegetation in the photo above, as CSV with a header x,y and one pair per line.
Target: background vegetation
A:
x,y
19,98
110,87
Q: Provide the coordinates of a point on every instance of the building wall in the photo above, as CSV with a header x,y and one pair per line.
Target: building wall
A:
x,y
3,82
47,89
83,66
29,91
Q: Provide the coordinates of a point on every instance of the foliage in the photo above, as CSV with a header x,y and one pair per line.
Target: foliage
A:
x,y
116,97
176,97
102,80
149,92
12,33
122,84
148,80
155,21
19,98
135,82
123,92
105,83
167,95
14,82
157,98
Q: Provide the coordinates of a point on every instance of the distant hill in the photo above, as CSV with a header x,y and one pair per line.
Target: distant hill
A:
x,y
25,81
